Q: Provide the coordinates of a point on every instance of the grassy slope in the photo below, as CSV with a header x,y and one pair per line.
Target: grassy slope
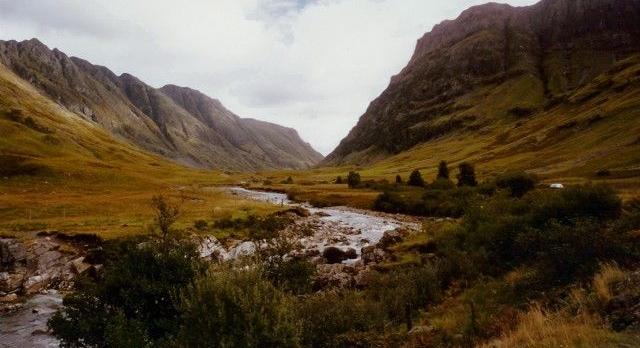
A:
x,y
80,179
596,128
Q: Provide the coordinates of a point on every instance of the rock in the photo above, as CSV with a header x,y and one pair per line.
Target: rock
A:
x,y
373,254
242,249
11,252
10,282
334,276
79,266
351,254
363,278
49,260
334,255
35,283
210,248
9,298
392,237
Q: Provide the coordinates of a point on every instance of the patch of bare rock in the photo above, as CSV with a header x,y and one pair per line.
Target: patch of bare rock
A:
x,y
48,261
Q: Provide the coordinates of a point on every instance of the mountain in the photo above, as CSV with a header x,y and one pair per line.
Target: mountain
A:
x,y
553,87
178,123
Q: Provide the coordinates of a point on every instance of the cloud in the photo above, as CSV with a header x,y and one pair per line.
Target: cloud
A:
x,y
309,64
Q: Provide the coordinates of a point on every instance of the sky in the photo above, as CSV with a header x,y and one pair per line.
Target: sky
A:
x,y
314,65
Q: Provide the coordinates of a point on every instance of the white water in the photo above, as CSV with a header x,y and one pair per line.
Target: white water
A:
x,y
27,327
341,227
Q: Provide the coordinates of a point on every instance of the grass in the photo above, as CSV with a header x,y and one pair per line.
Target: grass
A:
x,y
603,281
61,172
542,329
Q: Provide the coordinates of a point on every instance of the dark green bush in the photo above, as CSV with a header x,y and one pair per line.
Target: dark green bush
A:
x,y
415,179
353,179
200,225
136,295
443,171
518,183
466,175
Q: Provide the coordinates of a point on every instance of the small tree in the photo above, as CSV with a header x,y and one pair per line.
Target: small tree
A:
x,y
443,171
398,179
415,179
339,180
289,181
466,175
354,179
166,215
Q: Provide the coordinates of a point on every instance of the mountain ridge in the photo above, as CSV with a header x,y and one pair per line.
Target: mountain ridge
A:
x,y
492,68
148,117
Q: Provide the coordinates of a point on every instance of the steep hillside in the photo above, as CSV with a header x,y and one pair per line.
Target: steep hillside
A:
x,y
177,123
553,87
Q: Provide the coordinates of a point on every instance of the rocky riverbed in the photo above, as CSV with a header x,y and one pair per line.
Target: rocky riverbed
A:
x,y
35,272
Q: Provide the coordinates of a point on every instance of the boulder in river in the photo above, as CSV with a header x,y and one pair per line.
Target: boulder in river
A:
x,y
334,255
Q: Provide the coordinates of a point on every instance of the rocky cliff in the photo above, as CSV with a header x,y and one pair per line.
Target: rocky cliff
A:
x,y
496,66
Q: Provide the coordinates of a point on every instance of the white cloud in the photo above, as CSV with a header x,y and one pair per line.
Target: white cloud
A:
x,y
310,64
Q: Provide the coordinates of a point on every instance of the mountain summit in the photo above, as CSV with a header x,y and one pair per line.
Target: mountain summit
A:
x,y
178,123
500,82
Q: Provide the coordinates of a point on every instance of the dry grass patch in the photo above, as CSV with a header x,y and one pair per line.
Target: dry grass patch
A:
x,y
608,275
541,329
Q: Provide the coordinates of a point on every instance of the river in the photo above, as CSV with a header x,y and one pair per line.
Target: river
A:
x,y
340,227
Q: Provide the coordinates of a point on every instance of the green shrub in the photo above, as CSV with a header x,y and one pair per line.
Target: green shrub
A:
x,y
237,308
353,179
403,293
443,171
415,179
339,180
334,319
200,225
136,296
518,183
288,181
398,179
466,175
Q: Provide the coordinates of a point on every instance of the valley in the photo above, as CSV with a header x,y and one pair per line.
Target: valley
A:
x,y
488,197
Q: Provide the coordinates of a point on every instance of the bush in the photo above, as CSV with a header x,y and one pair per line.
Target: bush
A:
x,y
563,234
354,179
466,175
398,179
339,319
288,181
134,300
339,180
443,171
237,308
200,225
518,183
415,179
441,184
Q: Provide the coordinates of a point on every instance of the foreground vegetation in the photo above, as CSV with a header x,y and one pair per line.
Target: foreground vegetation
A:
x,y
531,270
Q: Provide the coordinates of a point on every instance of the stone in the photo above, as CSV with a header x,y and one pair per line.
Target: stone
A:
x,y
210,248
351,254
392,237
12,251
10,282
79,266
334,255
9,298
334,276
373,254
35,283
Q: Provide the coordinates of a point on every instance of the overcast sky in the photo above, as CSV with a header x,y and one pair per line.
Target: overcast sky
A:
x,y
313,65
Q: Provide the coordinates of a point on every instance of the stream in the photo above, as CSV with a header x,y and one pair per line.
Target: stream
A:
x,y
340,227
